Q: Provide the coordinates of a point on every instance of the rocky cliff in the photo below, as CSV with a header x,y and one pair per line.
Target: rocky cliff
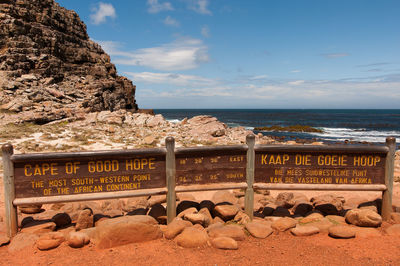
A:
x,y
49,67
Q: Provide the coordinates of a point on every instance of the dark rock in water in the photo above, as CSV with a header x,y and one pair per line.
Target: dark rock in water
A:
x,y
49,67
186,204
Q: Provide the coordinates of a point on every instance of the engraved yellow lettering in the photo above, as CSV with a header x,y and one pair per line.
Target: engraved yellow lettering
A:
x,y
27,168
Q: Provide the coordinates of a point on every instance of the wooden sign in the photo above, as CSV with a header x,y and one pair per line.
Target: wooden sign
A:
x,y
320,168
88,175
205,167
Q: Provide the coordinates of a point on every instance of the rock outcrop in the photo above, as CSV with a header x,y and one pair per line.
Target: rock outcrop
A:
x,y
49,67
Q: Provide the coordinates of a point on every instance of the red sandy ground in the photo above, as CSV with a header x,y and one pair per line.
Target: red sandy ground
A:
x,y
277,249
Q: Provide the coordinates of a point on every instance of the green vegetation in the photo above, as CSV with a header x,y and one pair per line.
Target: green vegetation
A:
x,y
295,128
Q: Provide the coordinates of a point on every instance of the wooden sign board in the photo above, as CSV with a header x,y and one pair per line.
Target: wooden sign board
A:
x,y
56,177
320,168
207,167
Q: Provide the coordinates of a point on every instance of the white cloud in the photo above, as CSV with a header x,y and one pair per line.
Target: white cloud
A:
x,y
101,12
205,31
296,82
156,7
171,78
258,77
171,21
199,6
182,54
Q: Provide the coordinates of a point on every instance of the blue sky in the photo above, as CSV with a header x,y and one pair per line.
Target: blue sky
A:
x,y
252,54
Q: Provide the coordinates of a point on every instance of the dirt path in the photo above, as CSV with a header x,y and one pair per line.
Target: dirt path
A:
x,y
278,249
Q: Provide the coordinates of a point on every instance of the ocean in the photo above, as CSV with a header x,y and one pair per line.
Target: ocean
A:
x,y
338,125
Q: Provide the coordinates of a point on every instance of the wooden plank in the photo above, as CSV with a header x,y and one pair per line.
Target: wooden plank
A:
x,y
321,167
93,196
9,191
72,176
333,187
249,196
170,174
210,166
389,169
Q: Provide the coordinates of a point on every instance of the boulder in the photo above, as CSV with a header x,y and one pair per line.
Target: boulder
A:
x,y
285,199
241,218
393,230
127,229
207,216
85,219
224,243
363,217
175,228
281,212
192,237
61,219
233,231
39,228
195,218
335,219
284,224
50,240
342,231
224,196
207,204
304,230
259,229
77,239
302,207
157,210
157,199
323,225
226,212
328,204
22,241
187,211
313,217
4,239
135,203
186,204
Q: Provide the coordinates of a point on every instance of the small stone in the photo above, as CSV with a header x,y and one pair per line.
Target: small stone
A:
x,y
187,211
224,243
259,229
39,228
85,219
77,239
195,218
241,218
224,197
207,216
363,217
313,217
50,240
304,230
234,231
226,212
175,228
192,237
30,208
342,231
284,224
149,140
